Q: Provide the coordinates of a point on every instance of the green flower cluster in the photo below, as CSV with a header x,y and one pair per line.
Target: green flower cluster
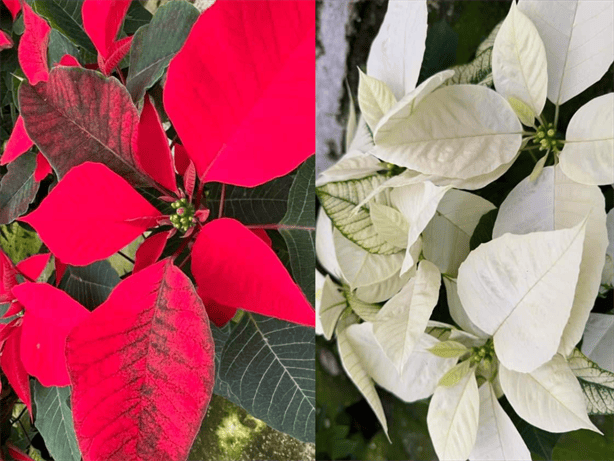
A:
x,y
183,218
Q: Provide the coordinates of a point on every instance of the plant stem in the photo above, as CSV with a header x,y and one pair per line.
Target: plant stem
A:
x,y
222,197
125,256
279,227
556,116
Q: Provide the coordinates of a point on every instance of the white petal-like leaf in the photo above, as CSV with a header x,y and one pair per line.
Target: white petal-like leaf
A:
x,y
361,268
459,131
446,238
403,319
520,289
352,364
389,224
457,311
453,418
363,139
417,203
318,298
588,154
340,199
374,99
497,439
598,340
381,291
579,40
406,106
519,61
332,305
366,311
396,53
549,397
354,165
325,246
422,371
555,202
597,384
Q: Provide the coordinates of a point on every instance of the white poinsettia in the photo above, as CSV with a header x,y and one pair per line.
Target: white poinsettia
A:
x,y
598,340
557,49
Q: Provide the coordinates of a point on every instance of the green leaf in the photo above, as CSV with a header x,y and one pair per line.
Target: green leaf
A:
x,y
448,349
19,243
298,228
18,188
339,199
265,204
54,422
65,16
59,45
597,384
267,366
582,445
453,377
136,16
90,285
155,44
483,231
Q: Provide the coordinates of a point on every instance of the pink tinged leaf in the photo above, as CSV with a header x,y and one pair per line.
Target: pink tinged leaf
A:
x,y
18,143
102,20
14,6
116,54
14,369
69,61
78,116
189,179
235,268
98,211
34,266
8,278
259,124
6,41
142,369
182,160
219,314
60,268
153,152
43,168
150,250
49,316
16,453
32,51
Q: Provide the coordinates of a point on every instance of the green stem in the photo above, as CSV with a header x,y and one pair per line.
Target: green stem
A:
x,y
556,116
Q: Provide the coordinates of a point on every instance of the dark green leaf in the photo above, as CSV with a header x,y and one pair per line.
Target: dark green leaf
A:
x,y
59,45
583,445
19,243
90,285
440,51
265,204
136,16
155,44
65,16
17,188
268,368
54,422
298,228
483,231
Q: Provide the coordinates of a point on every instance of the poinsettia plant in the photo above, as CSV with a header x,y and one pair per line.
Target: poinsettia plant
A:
x,y
183,143
441,188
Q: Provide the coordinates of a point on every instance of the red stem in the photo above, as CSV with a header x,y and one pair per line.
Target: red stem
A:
x,y
222,197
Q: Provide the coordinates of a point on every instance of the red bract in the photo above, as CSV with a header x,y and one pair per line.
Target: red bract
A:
x,y
153,152
14,6
101,21
5,41
91,214
12,366
142,369
243,107
43,168
49,316
18,143
32,51
236,268
150,251
33,266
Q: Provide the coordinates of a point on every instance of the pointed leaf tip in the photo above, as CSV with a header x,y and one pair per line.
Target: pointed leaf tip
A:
x,y
32,51
99,212
235,268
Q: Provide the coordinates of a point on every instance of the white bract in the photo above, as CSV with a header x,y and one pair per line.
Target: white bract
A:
x,y
523,297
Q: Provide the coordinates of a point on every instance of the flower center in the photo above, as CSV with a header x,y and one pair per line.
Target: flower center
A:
x,y
183,218
548,138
